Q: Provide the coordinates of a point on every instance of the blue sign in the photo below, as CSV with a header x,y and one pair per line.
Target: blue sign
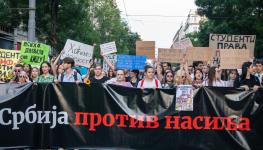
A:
x,y
131,62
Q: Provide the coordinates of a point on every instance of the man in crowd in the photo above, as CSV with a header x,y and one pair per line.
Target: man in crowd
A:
x,y
166,66
17,69
98,78
259,70
69,75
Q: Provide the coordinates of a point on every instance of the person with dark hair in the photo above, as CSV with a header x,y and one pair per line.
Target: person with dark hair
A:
x,y
198,64
134,74
233,76
198,78
214,78
166,66
149,81
45,75
247,79
27,68
17,69
34,74
111,74
259,70
168,80
70,74
98,77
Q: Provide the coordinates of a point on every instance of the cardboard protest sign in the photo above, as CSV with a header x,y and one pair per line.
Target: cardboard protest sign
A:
x,y
146,48
108,48
233,58
131,62
183,44
81,53
34,53
226,41
198,54
112,59
170,55
184,98
8,59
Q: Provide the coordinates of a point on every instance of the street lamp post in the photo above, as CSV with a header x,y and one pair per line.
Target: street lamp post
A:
x,y
31,21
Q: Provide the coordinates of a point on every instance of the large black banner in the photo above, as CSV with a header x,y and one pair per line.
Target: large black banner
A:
x,y
81,116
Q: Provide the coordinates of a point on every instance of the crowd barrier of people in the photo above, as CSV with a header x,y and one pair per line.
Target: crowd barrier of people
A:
x,y
158,75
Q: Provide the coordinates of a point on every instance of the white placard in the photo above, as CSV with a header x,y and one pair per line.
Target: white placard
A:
x,y
81,53
108,48
184,98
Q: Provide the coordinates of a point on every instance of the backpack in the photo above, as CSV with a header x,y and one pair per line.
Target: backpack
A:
x,y
156,83
75,76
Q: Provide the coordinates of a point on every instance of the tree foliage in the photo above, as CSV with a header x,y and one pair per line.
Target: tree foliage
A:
x,y
89,21
231,17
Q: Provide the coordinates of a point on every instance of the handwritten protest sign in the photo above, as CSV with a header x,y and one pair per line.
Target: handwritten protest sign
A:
x,y
233,58
131,62
108,48
184,98
225,41
170,55
81,53
8,59
34,53
112,59
183,44
146,48
198,54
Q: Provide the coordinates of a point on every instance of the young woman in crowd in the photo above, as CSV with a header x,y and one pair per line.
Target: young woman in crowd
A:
x,y
183,77
168,80
28,69
214,78
34,74
120,79
45,73
159,71
233,76
205,70
198,78
134,80
149,81
60,69
111,74
247,79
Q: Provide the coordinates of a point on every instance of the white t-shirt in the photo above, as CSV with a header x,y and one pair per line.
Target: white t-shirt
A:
x,y
149,84
217,83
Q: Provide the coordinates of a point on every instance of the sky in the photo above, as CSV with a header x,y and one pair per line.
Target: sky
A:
x,y
163,18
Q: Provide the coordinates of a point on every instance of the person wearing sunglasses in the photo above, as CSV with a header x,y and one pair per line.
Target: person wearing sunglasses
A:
x,y
23,78
168,80
16,71
183,77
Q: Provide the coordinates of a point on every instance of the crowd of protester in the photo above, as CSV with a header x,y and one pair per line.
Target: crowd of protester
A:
x,y
158,75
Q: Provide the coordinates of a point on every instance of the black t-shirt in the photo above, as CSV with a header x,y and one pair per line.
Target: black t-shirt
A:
x,y
249,82
102,80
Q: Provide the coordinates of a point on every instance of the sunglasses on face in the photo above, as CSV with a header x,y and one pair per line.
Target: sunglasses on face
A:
x,y
21,76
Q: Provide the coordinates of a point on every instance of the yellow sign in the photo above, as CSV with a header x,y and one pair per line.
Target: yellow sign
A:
x,y
8,59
